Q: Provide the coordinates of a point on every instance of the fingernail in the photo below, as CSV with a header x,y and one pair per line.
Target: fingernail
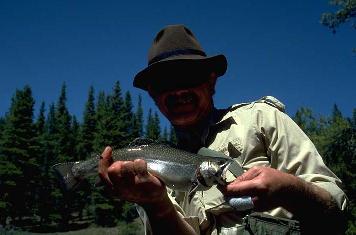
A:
x,y
107,149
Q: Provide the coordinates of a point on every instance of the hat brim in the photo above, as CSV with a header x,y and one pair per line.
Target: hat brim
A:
x,y
192,64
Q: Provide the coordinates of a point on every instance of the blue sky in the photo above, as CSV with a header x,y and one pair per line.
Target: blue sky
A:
x,y
276,48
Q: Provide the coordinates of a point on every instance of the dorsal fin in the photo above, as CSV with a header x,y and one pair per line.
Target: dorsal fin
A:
x,y
140,141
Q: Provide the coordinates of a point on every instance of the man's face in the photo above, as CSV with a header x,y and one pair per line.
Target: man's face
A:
x,y
186,106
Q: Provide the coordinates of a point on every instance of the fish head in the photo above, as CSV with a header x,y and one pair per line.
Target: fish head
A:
x,y
209,173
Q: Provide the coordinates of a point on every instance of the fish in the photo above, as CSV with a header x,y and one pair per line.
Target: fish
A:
x,y
178,169
175,167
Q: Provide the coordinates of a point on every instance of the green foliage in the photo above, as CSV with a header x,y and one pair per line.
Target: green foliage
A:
x,y
129,212
17,158
153,130
346,12
128,119
335,139
138,119
172,136
87,131
133,228
116,116
102,135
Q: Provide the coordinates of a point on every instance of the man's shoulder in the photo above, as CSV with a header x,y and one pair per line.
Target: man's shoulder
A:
x,y
266,103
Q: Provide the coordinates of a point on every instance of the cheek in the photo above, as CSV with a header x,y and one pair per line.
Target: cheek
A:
x,y
205,99
160,102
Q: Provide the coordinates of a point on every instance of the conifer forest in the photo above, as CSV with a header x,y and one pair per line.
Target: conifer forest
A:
x,y
31,198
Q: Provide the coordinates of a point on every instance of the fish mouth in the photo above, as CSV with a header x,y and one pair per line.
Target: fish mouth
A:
x,y
186,101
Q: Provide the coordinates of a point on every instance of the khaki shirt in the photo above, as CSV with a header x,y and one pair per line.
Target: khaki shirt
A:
x,y
256,134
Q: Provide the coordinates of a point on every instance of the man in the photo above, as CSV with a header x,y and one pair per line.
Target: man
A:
x,y
285,176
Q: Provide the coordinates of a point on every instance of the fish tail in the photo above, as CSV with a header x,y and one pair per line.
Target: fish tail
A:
x,y
66,176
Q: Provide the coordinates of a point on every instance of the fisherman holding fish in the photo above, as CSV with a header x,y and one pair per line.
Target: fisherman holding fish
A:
x,y
284,176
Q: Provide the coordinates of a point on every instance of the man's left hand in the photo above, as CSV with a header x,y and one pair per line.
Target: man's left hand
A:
x,y
268,187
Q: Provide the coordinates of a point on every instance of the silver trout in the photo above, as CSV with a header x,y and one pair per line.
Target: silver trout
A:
x,y
178,169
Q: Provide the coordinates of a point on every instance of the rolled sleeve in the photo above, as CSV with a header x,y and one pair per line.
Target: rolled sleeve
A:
x,y
291,151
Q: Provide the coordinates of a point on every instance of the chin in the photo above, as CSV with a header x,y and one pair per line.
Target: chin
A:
x,y
185,122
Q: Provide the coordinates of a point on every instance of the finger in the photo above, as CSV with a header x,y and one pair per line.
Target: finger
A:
x,y
237,186
104,163
115,171
115,174
248,175
243,188
127,169
140,168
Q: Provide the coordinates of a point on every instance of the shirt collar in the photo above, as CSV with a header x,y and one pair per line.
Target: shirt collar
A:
x,y
193,139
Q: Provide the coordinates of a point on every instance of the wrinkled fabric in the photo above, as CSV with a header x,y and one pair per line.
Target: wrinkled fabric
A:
x,y
255,134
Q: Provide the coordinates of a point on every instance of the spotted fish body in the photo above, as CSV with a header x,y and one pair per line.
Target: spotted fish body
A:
x,y
175,167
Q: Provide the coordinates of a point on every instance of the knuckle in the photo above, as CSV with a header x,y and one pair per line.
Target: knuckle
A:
x,y
254,168
114,169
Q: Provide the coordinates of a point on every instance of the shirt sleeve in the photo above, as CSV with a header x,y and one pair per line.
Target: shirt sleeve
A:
x,y
191,220
291,151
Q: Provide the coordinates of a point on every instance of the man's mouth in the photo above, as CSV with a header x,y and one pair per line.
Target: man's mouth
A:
x,y
183,102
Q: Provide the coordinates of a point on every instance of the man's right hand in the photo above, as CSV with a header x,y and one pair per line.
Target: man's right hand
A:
x,y
131,181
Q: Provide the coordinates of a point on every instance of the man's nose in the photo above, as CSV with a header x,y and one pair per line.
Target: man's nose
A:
x,y
179,92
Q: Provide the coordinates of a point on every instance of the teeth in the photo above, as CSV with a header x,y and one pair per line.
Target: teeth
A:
x,y
183,99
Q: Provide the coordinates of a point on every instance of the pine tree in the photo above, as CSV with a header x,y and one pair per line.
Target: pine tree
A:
x,y
17,163
64,152
2,124
75,136
51,193
41,160
153,130
157,126
149,125
63,125
165,134
87,133
128,120
116,115
102,208
336,114
138,119
41,120
305,119
102,136
172,136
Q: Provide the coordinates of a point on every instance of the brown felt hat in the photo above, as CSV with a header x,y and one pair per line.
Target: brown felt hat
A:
x,y
177,57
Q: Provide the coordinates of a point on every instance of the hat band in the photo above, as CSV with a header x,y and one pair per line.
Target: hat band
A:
x,y
167,54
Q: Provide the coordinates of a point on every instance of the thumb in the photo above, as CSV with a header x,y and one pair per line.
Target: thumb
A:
x,y
104,163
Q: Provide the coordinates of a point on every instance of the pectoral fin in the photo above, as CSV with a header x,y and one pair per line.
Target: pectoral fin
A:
x,y
193,188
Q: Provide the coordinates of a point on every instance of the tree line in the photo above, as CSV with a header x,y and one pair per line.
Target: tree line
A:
x,y
31,196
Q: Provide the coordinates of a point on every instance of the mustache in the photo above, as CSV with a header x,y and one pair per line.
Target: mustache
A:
x,y
180,98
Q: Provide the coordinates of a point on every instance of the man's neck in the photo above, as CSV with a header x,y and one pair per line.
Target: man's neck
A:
x,y
192,138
